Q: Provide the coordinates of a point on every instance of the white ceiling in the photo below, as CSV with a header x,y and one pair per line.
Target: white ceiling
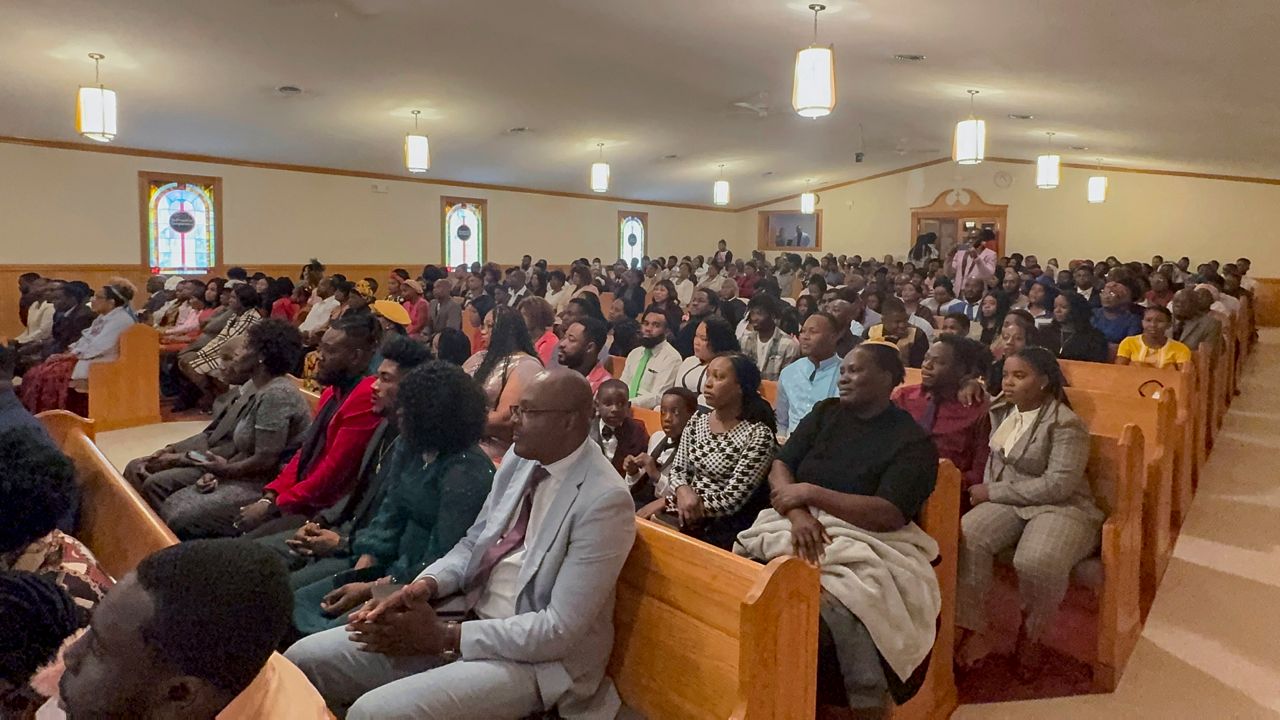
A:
x,y
1169,84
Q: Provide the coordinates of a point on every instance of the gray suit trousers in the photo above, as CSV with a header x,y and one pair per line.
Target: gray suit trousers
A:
x,y
367,685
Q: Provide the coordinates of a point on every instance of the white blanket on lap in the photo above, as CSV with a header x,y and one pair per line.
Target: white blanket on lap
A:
x,y
885,579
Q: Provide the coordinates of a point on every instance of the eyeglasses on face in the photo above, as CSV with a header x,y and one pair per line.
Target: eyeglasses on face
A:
x,y
518,413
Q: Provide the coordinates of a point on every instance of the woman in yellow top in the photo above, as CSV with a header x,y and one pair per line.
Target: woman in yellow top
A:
x,y
1153,347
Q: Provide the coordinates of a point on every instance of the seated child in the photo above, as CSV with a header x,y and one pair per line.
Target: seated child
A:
x,y
648,473
619,434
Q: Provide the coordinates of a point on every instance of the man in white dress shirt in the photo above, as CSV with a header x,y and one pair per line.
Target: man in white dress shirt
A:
x,y
534,577
651,367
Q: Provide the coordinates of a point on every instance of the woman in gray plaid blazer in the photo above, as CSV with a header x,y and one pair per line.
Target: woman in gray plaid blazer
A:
x,y
1034,497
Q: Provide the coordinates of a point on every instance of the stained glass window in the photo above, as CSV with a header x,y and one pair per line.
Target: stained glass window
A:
x,y
182,224
464,228
633,231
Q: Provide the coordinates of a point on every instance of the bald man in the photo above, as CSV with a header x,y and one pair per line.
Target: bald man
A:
x,y
530,587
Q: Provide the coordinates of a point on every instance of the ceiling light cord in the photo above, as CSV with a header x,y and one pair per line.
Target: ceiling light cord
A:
x,y
816,8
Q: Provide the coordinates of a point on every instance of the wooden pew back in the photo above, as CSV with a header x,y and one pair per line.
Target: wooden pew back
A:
x,y
941,519
769,391
701,633
652,419
125,392
115,522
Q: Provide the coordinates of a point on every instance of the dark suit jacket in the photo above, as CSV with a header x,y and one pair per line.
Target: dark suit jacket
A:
x,y
68,328
633,439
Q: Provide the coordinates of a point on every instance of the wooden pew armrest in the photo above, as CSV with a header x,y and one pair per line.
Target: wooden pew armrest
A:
x,y
780,620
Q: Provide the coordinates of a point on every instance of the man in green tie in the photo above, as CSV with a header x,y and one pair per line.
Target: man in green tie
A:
x,y
651,367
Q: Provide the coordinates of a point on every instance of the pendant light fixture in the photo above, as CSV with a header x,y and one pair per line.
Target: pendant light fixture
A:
x,y
720,190
417,149
600,173
813,94
1098,187
808,200
96,107
969,144
1048,168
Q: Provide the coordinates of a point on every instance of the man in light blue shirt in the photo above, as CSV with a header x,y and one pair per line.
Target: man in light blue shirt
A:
x,y
811,378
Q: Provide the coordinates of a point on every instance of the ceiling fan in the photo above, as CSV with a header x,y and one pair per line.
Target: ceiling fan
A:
x,y
902,147
758,104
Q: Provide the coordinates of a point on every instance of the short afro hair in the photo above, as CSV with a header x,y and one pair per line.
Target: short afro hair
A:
x,y
277,343
406,353
36,615
442,408
361,328
37,487
221,608
453,345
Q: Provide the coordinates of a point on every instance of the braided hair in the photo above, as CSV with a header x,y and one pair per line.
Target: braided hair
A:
x,y
36,615
1044,363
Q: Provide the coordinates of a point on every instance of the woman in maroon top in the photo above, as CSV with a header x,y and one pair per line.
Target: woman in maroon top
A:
x,y
960,431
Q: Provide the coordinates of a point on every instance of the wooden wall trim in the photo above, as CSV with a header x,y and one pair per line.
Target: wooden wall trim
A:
x,y
1148,171
846,183
342,172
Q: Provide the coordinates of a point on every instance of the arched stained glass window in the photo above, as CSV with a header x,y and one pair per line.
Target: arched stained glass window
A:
x,y
182,223
464,225
633,235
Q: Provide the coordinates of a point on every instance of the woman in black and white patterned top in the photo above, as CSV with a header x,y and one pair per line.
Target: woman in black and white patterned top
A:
x,y
719,469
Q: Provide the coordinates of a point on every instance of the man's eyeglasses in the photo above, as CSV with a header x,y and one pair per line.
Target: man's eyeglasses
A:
x,y
518,413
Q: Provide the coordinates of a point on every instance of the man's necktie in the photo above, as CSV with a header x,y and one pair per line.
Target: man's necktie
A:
x,y
514,537
930,416
644,365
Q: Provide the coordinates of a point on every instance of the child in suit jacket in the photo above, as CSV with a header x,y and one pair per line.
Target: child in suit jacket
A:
x,y
619,434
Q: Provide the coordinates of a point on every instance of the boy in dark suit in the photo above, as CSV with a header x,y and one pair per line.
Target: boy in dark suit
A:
x,y
619,434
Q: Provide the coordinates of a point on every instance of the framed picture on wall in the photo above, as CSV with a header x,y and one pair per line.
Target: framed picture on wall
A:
x,y
790,230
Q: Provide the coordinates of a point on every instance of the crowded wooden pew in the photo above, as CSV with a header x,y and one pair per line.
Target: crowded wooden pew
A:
x,y
125,392
753,626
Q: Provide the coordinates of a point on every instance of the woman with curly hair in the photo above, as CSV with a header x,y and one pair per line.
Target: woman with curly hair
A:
x,y
713,336
202,368
46,386
503,370
441,479
266,433
39,489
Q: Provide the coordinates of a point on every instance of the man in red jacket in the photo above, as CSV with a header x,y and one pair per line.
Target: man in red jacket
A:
x,y
328,462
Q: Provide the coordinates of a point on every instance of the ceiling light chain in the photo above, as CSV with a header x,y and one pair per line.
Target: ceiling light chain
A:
x,y
417,148
720,189
813,92
808,200
96,106
969,142
600,173
1049,167
1097,190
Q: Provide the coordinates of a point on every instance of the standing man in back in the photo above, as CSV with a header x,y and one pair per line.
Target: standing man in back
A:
x,y
976,262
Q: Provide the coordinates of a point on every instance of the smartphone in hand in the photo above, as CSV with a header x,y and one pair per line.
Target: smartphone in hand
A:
x,y
197,456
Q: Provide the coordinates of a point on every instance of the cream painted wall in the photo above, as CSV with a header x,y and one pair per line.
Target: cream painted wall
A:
x,y
1144,215
68,206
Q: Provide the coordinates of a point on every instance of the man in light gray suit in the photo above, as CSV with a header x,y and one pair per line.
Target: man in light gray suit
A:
x,y
534,578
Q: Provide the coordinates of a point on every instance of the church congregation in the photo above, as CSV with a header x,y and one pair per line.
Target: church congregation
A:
x,y
810,463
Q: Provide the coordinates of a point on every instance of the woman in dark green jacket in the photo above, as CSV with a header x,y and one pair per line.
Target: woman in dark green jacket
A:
x,y
440,480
